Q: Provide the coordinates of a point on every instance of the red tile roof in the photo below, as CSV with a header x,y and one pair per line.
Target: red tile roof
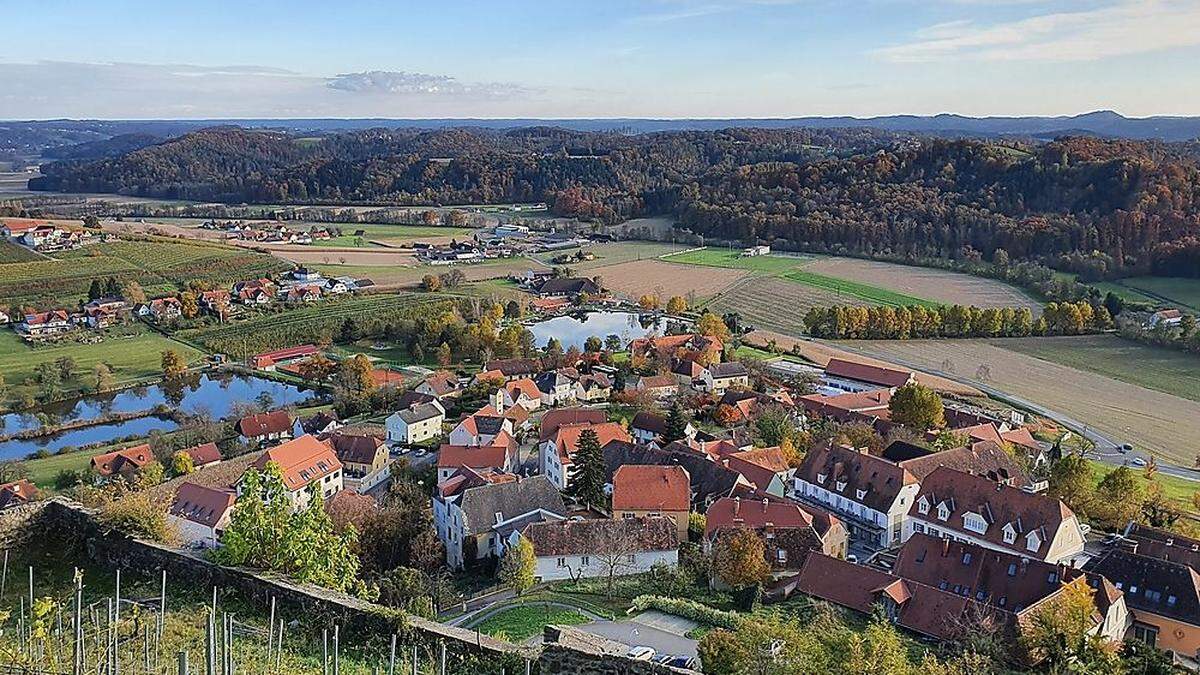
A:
x,y
524,386
881,479
566,437
760,466
554,419
442,382
262,424
865,372
204,454
269,358
17,492
124,461
736,512
643,487
474,457
203,505
302,460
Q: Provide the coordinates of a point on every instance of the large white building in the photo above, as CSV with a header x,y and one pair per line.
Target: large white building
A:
x,y
419,422
305,462
572,549
201,514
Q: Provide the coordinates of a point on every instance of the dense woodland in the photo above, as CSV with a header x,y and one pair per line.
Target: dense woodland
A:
x,y
1099,208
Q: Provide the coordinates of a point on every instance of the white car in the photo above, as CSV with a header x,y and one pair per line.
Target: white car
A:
x,y
641,653
1138,461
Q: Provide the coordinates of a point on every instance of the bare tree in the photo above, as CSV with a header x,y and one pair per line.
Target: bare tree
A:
x,y
616,553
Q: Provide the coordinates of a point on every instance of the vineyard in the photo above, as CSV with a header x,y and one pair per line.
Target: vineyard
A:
x,y
13,253
159,266
311,324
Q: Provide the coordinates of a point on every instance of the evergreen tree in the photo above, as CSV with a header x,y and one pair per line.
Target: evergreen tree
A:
x,y
586,484
676,424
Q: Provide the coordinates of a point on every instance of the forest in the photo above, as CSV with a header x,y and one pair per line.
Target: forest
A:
x,y
1098,208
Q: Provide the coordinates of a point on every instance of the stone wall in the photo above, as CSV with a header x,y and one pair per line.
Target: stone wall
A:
x,y
81,534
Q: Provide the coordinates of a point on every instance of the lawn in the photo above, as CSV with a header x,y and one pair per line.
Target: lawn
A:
x,y
715,257
856,291
393,234
132,358
1177,489
522,622
10,253
1167,370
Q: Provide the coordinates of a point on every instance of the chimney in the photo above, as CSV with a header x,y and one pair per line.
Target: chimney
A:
x,y
737,506
765,502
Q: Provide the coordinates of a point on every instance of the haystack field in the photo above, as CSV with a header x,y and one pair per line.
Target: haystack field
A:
x,y
925,282
1160,423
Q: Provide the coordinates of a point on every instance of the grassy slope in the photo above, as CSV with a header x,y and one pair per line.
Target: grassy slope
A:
x,y
1173,289
861,291
131,358
524,621
1166,370
713,257
1179,490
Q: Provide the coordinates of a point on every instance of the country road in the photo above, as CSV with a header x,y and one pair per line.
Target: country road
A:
x,y
1107,449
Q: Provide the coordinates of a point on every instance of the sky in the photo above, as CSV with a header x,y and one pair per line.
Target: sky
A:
x,y
133,59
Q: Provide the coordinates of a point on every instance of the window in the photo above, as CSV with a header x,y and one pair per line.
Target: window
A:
x,y
821,478
942,585
974,523
1003,601
980,595
861,493
943,511
1052,578
1153,596
584,561
922,506
1012,569
1133,589
561,562
918,528
630,558
967,558
841,485
1170,601
1032,542
921,556
1010,535
1147,634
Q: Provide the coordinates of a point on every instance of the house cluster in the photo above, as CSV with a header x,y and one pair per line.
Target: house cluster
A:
x,y
45,236
462,252
270,233
97,314
690,363
522,239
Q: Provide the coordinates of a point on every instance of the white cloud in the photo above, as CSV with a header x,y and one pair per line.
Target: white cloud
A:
x,y
1126,27
399,82
691,9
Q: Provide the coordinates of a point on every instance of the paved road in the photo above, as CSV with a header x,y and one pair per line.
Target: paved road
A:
x,y
634,633
1107,449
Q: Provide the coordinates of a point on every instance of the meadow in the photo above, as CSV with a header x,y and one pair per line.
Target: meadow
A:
x,y
15,253
717,257
848,291
1174,291
133,358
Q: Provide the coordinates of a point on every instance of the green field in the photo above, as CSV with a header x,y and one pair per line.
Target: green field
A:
x,y
1166,290
716,257
522,622
312,324
134,358
1180,490
392,234
14,253
1167,370
856,290
160,266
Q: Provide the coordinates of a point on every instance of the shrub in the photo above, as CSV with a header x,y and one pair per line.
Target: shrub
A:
x,y
688,609
141,515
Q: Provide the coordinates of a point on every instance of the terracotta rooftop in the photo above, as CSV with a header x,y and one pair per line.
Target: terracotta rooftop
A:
x,y
303,460
203,505
124,461
864,372
642,487
262,424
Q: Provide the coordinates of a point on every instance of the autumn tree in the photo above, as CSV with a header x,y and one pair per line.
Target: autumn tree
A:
x,y
518,566
773,425
676,305
444,356
725,415
102,377
649,302
713,326
182,463
189,306
354,376
1071,481
917,406
431,283
318,368
1119,497
132,293
173,365
587,480
1057,633
739,558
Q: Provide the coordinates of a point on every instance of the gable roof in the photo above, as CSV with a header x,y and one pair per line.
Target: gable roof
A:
x,y
522,386
601,536
760,466
865,372
647,487
553,419
656,382
566,437
302,460
708,479
514,367
647,421
473,456
442,382
567,286
355,449
880,479
1176,583
200,504
205,453
735,512
262,424
978,459
418,413
123,461
999,505
482,505
17,492
727,370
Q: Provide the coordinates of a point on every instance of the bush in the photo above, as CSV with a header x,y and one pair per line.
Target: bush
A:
x,y
139,514
688,609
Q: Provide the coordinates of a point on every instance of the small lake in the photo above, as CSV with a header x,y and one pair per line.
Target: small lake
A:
x,y
573,330
211,394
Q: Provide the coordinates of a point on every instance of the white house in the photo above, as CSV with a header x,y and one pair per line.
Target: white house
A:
x,y
719,377
482,428
416,423
573,549
556,388
556,451
474,517
305,461
980,511
523,392
201,514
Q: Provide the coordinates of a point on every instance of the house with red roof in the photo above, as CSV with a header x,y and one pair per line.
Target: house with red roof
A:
x,y
522,391
204,455
599,547
657,386
124,463
441,384
691,346
16,493
766,468
856,375
271,360
307,464
483,427
265,427
555,452
647,490
201,514
43,324
500,458
789,531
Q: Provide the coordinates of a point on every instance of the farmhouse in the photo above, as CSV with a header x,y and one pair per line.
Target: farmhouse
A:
x,y
856,376
598,547
201,514
657,386
416,423
684,345
204,455
513,369
124,463
271,360
555,452
563,288
501,458
1166,318
161,309
265,427
719,377
359,454
16,493
440,384
523,392
43,324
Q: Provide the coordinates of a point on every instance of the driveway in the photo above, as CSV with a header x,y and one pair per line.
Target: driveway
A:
x,y
658,631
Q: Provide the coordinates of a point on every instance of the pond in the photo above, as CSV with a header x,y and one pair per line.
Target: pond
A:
x,y
574,329
18,448
214,394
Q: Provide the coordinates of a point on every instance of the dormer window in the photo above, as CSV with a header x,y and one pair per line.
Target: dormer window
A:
x,y
861,493
923,506
943,511
821,478
1033,542
1010,535
974,522
841,485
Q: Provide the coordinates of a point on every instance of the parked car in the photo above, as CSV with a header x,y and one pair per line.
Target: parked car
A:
x,y
1125,448
641,653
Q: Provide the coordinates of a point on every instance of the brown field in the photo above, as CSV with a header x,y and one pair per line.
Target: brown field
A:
x,y
391,276
363,257
614,253
925,282
820,353
160,229
639,277
773,303
1163,424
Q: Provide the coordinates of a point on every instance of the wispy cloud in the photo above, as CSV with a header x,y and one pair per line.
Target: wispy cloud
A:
x,y
385,82
679,10
1122,28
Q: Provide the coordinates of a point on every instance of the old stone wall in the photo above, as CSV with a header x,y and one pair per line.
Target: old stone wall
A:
x,y
569,651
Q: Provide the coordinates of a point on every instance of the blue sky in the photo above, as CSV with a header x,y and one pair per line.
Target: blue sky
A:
x,y
604,58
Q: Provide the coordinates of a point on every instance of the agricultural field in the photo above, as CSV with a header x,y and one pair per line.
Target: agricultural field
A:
x,y
132,358
941,286
317,323
774,303
612,253
664,279
1160,423
14,253
1171,291
855,292
390,276
718,257
1170,371
160,266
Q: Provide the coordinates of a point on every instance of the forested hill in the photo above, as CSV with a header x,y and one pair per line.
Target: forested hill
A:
x,y
1098,207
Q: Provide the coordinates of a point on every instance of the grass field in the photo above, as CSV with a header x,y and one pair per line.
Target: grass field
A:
x,y
1178,489
159,266
935,285
1160,423
132,359
716,257
1167,290
614,253
15,253
1167,370
776,304
522,622
403,276
856,290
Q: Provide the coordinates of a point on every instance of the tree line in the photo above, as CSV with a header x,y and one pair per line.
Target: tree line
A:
x,y
954,321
